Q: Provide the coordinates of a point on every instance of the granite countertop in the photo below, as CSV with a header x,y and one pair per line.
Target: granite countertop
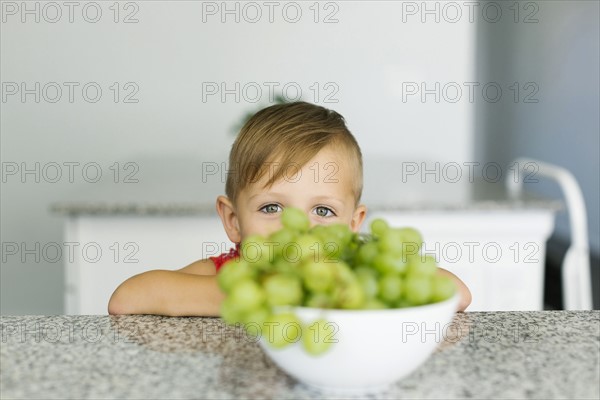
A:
x,y
542,354
410,197
133,208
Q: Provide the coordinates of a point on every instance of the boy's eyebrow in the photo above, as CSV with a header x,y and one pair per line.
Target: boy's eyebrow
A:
x,y
327,199
265,194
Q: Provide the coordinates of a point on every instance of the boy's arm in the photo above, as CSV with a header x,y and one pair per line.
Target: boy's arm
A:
x,y
200,267
191,291
465,293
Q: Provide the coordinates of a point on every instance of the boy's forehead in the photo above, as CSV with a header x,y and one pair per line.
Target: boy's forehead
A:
x,y
329,172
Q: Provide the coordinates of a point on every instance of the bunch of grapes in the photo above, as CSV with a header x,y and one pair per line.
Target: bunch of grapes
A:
x,y
326,266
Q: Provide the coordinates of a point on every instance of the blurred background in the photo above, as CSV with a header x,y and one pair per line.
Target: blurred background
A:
x,y
118,112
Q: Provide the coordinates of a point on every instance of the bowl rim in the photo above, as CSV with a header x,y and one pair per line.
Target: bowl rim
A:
x,y
454,299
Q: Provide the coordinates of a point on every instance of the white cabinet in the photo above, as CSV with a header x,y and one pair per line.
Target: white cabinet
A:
x,y
110,249
499,254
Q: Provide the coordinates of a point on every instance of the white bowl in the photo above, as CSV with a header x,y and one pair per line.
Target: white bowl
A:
x,y
374,348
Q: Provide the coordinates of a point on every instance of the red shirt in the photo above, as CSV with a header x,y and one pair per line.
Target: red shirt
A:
x,y
223,258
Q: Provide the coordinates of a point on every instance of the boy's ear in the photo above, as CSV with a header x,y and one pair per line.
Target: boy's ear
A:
x,y
358,217
229,219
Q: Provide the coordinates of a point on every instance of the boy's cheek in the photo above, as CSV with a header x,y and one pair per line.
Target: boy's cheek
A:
x,y
263,228
346,220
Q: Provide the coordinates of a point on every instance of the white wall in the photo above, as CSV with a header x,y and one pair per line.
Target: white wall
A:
x,y
168,54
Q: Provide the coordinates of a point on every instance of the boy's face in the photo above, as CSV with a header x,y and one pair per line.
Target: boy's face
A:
x,y
322,189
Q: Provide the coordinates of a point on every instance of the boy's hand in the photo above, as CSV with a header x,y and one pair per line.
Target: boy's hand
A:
x,y
170,293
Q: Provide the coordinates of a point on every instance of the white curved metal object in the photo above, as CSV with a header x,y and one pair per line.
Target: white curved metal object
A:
x,y
577,284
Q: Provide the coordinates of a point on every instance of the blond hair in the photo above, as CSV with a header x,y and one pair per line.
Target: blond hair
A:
x,y
287,135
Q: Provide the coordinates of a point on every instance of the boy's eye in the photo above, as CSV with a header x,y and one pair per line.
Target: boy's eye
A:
x,y
324,212
270,208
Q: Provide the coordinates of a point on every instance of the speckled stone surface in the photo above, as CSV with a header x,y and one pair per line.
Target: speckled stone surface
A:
x,y
104,208
406,198
531,355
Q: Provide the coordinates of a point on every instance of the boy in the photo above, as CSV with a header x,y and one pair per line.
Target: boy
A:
x,y
288,155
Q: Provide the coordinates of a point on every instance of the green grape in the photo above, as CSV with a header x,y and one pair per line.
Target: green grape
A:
x,y
348,253
282,236
342,272
367,252
374,304
402,303
281,330
256,250
391,242
390,288
349,295
412,240
422,265
233,272
256,316
331,250
387,263
342,234
379,227
279,239
321,232
230,313
311,247
291,253
330,246
247,295
317,276
442,288
418,289
283,290
283,267
319,300
318,337
368,280
295,219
